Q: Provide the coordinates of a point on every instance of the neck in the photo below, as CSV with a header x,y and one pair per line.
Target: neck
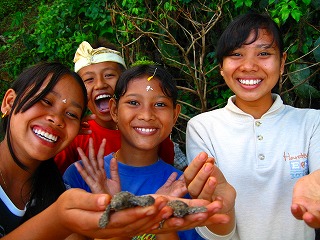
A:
x,y
136,158
107,124
14,180
255,108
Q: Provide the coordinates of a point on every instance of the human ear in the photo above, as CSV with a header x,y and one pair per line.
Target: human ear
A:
x,y
8,101
221,70
283,60
176,112
113,109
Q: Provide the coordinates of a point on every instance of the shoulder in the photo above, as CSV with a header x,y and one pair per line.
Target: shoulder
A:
x,y
102,132
167,167
303,113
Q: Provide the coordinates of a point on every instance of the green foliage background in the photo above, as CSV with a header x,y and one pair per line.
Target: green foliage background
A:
x,y
179,34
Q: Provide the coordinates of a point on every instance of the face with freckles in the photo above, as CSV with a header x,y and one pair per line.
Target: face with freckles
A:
x,y
252,70
145,115
100,80
50,124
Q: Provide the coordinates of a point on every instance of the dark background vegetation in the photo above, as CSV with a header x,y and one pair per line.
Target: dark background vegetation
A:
x,y
178,34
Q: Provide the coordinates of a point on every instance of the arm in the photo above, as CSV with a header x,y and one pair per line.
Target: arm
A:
x,y
205,181
306,199
77,211
306,192
203,178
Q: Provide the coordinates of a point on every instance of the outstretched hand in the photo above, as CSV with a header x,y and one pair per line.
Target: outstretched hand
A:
x,y
205,180
94,174
174,187
306,199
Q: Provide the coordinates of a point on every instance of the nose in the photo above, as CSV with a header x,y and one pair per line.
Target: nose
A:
x,y
249,64
56,119
146,114
100,82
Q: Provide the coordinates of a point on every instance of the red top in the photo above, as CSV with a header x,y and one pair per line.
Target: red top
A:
x,y
113,142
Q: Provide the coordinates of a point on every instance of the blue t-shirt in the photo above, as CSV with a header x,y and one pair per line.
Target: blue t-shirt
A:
x,y
137,180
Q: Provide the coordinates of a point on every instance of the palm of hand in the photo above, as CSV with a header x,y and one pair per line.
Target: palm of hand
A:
x,y
173,187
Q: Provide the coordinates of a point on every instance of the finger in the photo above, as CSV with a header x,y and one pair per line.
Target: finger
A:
x,y
197,184
183,180
92,155
114,174
312,220
297,211
193,168
208,189
86,177
89,117
89,201
85,127
170,179
100,155
86,163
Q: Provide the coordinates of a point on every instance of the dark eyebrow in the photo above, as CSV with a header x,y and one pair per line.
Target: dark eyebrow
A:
x,y
266,46
75,104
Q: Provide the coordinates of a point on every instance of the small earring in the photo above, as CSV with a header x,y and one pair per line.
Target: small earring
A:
x,y
4,114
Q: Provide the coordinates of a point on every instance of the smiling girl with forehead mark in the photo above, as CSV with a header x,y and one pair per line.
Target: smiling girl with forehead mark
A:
x,y
144,119
37,125
100,67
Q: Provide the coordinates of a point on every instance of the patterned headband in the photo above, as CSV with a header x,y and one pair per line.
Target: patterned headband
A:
x,y
86,56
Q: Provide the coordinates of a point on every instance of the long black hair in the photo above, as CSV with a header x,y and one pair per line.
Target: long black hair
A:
x,y
46,182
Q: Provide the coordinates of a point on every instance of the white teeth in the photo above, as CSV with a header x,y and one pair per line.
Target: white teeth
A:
x,y
250,82
147,130
103,96
45,135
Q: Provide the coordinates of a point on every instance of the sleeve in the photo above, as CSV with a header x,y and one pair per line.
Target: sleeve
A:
x,y
73,179
166,151
197,139
314,145
205,233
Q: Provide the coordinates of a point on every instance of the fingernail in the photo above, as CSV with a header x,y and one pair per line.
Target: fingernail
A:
x,y
166,215
207,167
162,205
149,212
156,226
102,201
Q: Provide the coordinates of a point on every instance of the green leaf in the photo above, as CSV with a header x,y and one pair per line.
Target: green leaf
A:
x,y
307,91
297,78
248,3
299,72
316,52
285,14
296,14
306,2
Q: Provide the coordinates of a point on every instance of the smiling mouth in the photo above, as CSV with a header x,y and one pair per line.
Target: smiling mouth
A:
x,y
250,82
102,102
146,130
45,135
